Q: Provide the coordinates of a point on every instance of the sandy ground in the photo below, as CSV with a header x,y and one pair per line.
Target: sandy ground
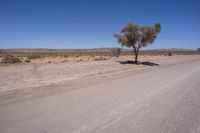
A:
x,y
131,98
22,81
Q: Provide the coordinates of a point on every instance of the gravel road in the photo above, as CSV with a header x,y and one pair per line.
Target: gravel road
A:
x,y
165,99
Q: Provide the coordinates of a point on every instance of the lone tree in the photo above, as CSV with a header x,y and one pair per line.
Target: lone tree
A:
x,y
136,37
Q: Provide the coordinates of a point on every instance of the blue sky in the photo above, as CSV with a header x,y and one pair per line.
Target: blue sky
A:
x,y
92,23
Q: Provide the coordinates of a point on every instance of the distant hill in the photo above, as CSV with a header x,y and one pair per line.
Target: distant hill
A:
x,y
43,50
170,49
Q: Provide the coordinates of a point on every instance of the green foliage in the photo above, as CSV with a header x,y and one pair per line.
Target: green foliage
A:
x,y
10,59
157,27
136,37
116,52
34,56
130,35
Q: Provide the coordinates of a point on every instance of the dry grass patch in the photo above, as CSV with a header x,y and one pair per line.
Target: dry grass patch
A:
x,y
10,59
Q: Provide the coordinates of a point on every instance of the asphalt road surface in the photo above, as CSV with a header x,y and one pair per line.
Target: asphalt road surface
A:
x,y
159,100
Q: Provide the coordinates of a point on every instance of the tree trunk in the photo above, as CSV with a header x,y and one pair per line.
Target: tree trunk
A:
x,y
136,58
136,51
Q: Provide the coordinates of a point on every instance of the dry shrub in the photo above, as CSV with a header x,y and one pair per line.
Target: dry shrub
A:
x,y
27,61
10,59
100,59
34,56
66,56
169,54
116,52
92,56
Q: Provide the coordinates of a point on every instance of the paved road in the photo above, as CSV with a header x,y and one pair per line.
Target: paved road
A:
x,y
161,100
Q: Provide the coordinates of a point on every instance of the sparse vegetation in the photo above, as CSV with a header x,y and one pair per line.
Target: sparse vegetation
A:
x,y
198,50
136,37
116,52
169,54
66,56
100,59
27,61
10,59
104,53
34,56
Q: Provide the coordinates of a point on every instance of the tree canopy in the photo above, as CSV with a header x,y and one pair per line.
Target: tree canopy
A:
x,y
136,37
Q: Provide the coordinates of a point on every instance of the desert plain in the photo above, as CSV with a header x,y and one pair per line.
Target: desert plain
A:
x,y
101,94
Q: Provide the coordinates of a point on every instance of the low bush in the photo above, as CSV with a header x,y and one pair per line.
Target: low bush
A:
x,y
169,54
34,56
100,59
10,59
116,52
198,49
27,61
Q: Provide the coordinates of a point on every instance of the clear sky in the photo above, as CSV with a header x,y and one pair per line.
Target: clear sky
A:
x,y
92,23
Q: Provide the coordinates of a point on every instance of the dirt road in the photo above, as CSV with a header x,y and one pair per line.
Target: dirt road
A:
x,y
163,99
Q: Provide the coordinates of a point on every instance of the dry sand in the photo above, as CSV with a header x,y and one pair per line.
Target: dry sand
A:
x,y
21,81
123,98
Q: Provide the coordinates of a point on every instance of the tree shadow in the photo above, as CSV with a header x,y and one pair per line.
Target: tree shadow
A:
x,y
149,63
139,63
